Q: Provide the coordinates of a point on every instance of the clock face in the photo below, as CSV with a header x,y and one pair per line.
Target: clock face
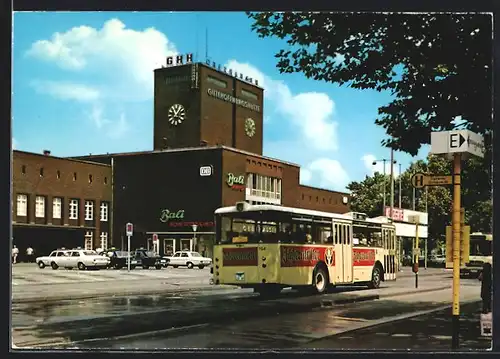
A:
x,y
176,114
250,127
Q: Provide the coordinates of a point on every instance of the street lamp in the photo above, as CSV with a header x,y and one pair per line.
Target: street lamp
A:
x,y
194,227
384,160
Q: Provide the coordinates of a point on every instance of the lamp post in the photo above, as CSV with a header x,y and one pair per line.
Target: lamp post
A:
x,y
399,193
384,160
194,227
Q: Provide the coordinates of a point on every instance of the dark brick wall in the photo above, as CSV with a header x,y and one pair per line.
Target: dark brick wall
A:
x,y
322,200
51,177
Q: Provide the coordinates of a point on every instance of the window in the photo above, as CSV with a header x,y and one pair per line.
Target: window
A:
x,y
41,172
40,207
264,186
90,178
73,209
249,94
57,208
89,235
89,210
22,205
217,82
75,254
58,174
74,176
184,255
23,169
104,240
104,211
105,180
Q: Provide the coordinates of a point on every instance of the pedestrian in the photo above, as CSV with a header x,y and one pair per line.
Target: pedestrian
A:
x,y
15,253
30,255
485,278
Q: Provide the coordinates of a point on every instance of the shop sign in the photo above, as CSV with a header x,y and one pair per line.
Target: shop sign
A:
x,y
179,60
230,72
168,215
229,98
235,182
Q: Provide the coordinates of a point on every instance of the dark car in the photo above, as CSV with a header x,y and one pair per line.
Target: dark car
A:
x,y
147,259
119,259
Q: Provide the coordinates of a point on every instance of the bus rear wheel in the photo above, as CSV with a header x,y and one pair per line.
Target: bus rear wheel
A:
x,y
320,280
376,278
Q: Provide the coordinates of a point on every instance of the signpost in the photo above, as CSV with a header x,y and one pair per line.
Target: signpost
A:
x,y
129,228
416,251
421,180
457,145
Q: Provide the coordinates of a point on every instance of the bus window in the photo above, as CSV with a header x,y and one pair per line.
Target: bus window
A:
x,y
286,232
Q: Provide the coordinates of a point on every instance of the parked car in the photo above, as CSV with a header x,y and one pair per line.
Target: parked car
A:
x,y
79,258
147,259
438,260
119,259
188,259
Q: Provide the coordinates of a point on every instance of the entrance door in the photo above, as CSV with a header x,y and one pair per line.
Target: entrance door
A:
x,y
169,247
186,244
343,252
389,244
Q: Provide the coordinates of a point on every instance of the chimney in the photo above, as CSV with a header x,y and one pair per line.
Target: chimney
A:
x,y
203,143
46,152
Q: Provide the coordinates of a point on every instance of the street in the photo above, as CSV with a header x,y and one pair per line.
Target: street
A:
x,y
174,308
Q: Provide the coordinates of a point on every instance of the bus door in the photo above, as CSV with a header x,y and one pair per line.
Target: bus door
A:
x,y
389,245
343,252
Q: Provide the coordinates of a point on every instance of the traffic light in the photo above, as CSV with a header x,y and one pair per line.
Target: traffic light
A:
x,y
464,242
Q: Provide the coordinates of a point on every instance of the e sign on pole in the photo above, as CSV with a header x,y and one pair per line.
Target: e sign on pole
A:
x,y
456,145
129,228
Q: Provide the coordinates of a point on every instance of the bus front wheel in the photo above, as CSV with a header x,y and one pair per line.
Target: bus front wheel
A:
x,y
376,278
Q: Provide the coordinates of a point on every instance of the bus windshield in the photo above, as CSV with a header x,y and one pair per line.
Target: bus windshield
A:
x,y
479,246
271,227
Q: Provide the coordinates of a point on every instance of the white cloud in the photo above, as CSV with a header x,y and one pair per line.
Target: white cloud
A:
x,y
309,112
122,57
113,128
305,176
66,90
371,168
330,174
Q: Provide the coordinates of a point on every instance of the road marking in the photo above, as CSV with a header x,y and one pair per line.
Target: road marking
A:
x,y
348,319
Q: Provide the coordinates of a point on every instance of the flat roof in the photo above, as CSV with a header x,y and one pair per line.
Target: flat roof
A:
x,y
323,189
73,159
187,149
203,64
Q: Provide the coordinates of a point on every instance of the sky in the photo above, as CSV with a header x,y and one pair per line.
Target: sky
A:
x,y
83,83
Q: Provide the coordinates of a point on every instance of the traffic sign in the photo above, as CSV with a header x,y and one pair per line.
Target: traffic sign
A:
x,y
129,228
420,180
460,141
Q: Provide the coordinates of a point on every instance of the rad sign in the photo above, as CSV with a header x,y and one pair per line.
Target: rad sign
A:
x,y
235,182
460,141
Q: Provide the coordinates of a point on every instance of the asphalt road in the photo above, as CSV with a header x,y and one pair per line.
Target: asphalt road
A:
x,y
49,322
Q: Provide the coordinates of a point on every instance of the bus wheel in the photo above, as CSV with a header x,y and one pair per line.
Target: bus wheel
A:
x,y
376,278
320,280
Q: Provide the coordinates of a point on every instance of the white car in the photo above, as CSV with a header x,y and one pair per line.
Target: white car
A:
x,y
79,258
188,259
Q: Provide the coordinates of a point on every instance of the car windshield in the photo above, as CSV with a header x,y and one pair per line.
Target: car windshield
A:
x,y
195,254
90,253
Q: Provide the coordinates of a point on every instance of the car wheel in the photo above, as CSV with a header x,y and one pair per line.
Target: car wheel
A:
x,y
117,266
145,267
158,266
54,265
81,266
201,266
132,267
190,265
41,265
175,266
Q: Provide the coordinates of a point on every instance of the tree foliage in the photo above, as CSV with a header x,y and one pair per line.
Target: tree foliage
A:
x,y
444,63
476,195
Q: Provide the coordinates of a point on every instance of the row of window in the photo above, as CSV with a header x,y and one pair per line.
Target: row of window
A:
x,y
223,84
264,186
89,240
58,175
330,200
40,208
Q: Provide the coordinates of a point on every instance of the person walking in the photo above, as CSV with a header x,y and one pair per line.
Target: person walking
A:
x,y
30,255
15,253
485,278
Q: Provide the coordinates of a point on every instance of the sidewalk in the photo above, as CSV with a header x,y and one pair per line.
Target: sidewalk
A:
x,y
429,332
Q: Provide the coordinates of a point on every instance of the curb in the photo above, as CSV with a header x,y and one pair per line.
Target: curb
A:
x,y
118,294
391,320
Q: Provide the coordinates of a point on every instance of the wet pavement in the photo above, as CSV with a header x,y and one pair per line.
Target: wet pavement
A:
x,y
77,320
292,330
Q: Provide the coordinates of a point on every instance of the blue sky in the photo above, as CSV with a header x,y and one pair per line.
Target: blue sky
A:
x,y
82,84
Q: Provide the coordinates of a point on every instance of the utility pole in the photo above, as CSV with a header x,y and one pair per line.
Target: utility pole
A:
x,y
427,238
392,183
399,186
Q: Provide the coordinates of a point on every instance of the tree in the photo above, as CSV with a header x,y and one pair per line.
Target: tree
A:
x,y
437,66
476,195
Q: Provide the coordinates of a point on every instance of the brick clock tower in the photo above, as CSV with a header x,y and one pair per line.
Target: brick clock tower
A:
x,y
197,103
